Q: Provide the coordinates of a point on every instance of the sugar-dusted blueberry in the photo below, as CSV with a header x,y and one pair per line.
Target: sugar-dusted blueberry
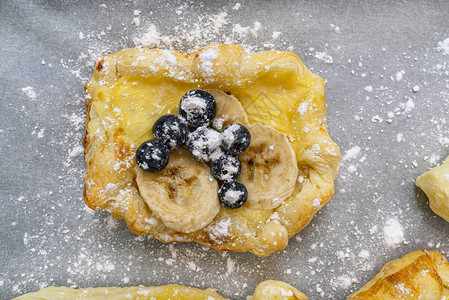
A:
x,y
204,144
235,139
226,167
171,131
232,194
198,108
152,156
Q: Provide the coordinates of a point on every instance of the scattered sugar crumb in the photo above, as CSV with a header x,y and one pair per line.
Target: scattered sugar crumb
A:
x,y
136,21
336,28
443,46
393,233
364,254
29,91
352,153
400,75
343,282
322,56
230,266
276,35
368,88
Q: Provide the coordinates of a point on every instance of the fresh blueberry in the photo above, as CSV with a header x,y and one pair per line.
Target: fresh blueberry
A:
x,y
152,156
198,108
204,144
232,194
171,131
235,139
226,168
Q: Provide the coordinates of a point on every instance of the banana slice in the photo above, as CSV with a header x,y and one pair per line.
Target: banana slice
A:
x,y
269,168
229,110
183,195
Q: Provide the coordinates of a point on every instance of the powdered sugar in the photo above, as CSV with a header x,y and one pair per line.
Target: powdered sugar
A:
x,y
206,145
170,58
217,124
400,75
193,103
213,28
393,233
230,134
352,153
220,230
323,56
443,46
29,91
149,39
232,196
302,108
207,58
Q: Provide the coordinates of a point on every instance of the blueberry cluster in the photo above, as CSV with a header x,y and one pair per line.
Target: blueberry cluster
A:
x,y
190,128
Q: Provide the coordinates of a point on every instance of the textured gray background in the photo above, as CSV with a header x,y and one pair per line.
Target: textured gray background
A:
x,y
48,237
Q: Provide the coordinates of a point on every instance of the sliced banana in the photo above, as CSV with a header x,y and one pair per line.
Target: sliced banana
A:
x,y
183,195
269,168
229,110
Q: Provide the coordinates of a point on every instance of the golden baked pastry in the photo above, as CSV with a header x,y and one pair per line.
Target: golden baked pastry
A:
x,y
435,183
132,88
267,290
418,275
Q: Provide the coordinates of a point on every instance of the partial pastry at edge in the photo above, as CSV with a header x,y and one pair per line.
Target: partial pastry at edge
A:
x,y
418,275
435,183
129,90
266,290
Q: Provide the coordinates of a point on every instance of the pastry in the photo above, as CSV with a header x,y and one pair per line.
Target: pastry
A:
x,y
286,175
435,183
268,290
418,275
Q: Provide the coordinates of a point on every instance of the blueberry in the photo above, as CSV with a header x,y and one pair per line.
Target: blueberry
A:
x,y
226,168
204,144
171,131
198,108
152,156
235,139
232,194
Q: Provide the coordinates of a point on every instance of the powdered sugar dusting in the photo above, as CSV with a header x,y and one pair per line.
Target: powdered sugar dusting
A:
x,y
352,153
219,231
323,56
207,58
29,91
443,46
232,196
206,146
393,233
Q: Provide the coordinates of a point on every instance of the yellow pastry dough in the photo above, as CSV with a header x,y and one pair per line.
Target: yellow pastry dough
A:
x,y
418,275
132,88
435,183
267,290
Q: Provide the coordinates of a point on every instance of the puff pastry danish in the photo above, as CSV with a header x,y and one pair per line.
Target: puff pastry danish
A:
x,y
435,183
267,290
418,275
132,88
